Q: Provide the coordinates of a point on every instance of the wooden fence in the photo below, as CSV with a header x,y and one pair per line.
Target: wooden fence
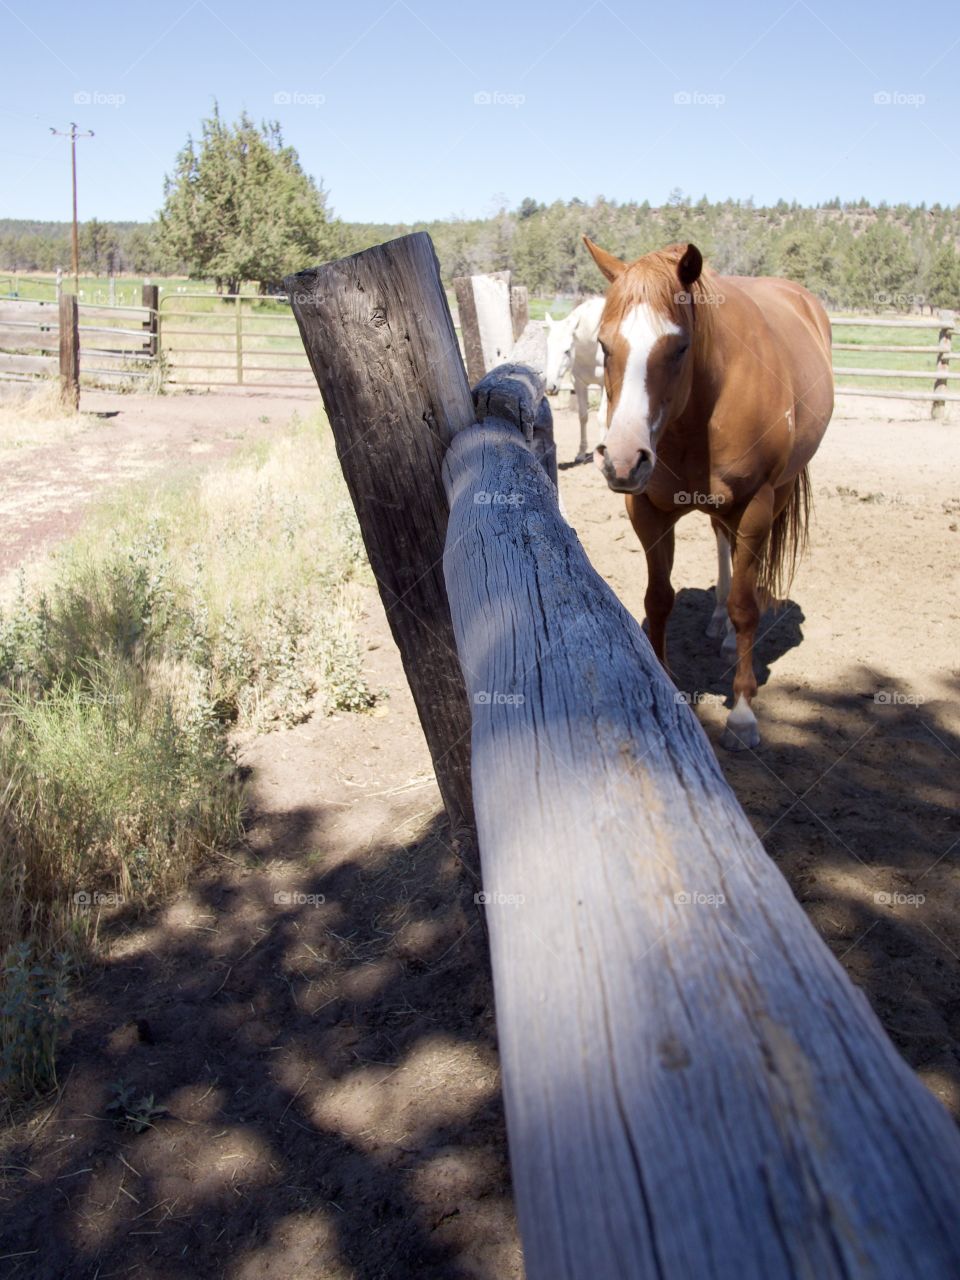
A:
x,y
942,351
694,1089
112,343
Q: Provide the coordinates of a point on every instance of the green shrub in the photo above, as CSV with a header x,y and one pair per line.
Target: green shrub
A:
x,y
231,599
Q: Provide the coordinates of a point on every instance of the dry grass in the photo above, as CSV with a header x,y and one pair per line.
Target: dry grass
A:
x,y
177,614
33,414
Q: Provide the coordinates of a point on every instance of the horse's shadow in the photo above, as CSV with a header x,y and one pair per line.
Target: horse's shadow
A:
x,y
696,663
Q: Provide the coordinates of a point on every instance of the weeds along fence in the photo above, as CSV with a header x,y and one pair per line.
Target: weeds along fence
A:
x,y
109,344
694,1089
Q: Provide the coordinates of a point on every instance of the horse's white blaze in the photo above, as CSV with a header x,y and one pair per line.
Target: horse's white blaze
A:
x,y
642,328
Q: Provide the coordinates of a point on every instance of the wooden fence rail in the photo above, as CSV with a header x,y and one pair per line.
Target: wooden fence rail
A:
x,y
112,342
694,1088
940,375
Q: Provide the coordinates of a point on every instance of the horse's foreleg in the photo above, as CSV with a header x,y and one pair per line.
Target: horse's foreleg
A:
x,y
720,624
655,530
752,531
583,410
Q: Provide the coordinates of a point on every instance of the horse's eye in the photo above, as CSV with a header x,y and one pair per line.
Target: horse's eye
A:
x,y
681,351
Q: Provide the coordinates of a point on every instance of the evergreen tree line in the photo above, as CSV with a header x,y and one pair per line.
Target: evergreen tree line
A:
x,y
851,255
240,209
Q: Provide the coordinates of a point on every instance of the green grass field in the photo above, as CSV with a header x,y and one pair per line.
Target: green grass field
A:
x,y
96,289
200,330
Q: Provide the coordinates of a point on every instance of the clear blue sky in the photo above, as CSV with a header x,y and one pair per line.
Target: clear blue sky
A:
x,y
378,96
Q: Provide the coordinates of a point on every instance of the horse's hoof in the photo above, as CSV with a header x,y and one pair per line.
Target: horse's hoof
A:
x,y
731,740
742,732
582,457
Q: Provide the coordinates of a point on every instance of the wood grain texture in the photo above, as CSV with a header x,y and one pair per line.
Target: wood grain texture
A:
x,y
69,351
513,392
473,294
694,1088
381,342
469,327
516,393
519,309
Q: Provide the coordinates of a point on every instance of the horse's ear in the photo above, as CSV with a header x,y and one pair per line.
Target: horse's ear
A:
x,y
690,266
608,264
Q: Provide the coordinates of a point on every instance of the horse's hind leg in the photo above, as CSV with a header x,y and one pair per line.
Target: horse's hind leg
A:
x,y
720,624
753,529
583,410
655,530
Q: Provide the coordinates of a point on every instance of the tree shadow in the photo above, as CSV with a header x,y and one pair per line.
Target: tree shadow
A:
x,y
321,1037
322,1045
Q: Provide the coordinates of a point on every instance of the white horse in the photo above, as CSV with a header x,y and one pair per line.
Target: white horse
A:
x,y
573,346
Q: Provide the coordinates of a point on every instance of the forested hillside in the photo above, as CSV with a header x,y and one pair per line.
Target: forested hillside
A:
x,y
852,255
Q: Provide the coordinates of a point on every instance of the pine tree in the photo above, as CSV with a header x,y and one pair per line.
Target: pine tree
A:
x,y
943,278
239,207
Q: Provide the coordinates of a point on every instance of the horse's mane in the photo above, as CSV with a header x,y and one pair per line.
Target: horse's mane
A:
x,y
653,280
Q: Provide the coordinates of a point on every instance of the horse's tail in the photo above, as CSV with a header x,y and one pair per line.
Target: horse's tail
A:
x,y
786,544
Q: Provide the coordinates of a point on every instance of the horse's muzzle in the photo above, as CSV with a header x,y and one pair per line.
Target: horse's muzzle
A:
x,y
622,479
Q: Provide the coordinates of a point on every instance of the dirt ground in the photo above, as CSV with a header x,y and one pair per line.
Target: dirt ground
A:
x,y
50,469
326,1063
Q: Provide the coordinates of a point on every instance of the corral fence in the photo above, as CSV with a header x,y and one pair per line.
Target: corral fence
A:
x,y
942,352
194,339
694,1088
221,340
114,344
489,303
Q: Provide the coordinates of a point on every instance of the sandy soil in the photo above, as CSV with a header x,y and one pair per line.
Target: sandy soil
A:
x,y
328,1069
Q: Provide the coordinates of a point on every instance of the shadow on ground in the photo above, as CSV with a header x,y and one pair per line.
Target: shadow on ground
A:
x,y
854,794
325,1063
696,662
326,1068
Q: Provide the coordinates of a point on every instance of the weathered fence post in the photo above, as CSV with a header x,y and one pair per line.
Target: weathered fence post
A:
x,y
69,351
469,327
238,301
150,297
694,1088
483,303
381,342
947,319
519,309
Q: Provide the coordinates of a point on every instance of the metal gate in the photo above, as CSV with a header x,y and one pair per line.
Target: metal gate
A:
x,y
229,340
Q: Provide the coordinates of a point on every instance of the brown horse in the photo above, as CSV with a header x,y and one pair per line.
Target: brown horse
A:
x,y
719,391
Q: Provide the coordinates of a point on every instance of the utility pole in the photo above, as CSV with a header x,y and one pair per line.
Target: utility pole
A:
x,y
73,135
